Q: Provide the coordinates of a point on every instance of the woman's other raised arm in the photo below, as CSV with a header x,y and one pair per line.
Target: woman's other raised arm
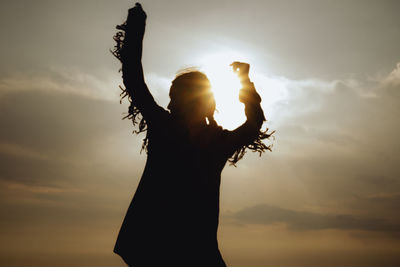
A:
x,y
249,131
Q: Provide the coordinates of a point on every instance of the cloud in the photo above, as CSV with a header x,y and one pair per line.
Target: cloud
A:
x,y
58,135
54,122
64,149
336,146
394,77
101,85
55,139
304,220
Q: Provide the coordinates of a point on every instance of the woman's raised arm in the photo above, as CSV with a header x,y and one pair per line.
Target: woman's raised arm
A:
x,y
129,52
248,135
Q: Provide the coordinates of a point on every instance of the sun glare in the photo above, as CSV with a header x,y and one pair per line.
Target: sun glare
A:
x,y
225,85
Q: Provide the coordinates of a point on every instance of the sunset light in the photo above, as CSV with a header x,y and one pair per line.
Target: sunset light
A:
x,y
176,183
225,85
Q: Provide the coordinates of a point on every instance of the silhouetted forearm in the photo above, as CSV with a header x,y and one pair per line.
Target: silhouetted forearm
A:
x,y
251,99
248,131
131,57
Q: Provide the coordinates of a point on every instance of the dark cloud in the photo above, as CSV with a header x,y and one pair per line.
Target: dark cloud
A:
x,y
34,171
303,220
379,204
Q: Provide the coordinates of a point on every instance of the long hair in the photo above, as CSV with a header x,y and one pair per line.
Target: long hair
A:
x,y
184,80
192,85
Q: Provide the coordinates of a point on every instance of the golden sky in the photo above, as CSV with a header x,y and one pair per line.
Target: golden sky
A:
x,y
328,72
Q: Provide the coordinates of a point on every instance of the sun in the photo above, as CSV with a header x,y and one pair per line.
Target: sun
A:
x,y
274,90
225,86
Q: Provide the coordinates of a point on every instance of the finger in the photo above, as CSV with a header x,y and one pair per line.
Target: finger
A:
x,y
137,11
137,8
235,65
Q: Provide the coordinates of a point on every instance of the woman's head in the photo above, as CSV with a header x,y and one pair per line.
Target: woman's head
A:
x,y
191,96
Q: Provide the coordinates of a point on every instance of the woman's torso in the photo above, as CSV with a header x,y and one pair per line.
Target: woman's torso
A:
x,y
176,205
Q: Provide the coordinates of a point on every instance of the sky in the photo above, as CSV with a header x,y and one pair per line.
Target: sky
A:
x,y
329,75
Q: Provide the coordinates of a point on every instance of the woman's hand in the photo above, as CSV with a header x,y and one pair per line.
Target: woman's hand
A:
x,y
248,93
242,70
136,22
130,43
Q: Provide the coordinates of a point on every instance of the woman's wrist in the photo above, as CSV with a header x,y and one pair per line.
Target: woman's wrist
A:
x,y
245,81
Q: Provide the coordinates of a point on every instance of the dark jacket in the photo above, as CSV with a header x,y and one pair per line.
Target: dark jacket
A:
x,y
173,217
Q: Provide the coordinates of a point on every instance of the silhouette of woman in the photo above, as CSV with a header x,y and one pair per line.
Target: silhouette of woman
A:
x,y
173,217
